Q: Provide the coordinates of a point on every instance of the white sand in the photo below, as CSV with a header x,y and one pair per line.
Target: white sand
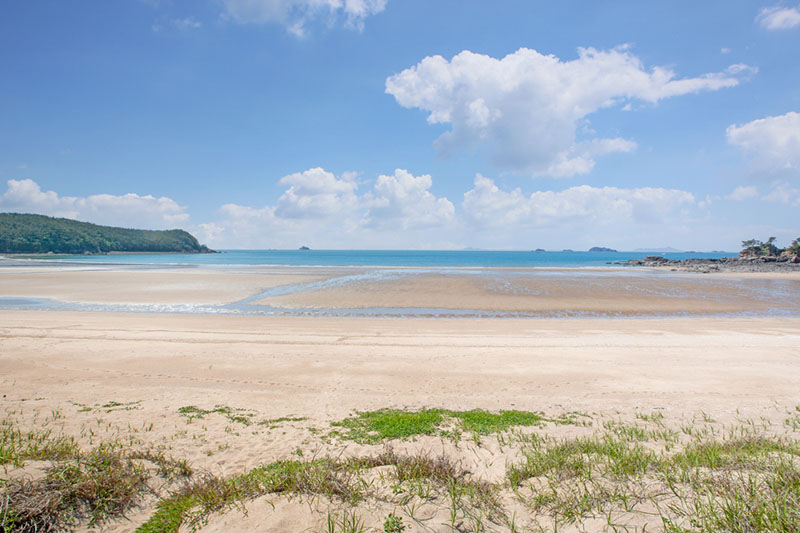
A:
x,y
60,368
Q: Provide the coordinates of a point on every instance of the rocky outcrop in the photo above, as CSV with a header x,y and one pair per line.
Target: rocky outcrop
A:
x,y
782,263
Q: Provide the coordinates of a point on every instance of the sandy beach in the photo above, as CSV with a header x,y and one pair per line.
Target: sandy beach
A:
x,y
131,376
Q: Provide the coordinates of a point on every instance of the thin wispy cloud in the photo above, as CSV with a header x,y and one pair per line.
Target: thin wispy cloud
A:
x,y
779,18
183,24
296,15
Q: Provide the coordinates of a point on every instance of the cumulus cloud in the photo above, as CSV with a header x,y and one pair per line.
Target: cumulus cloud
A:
x,y
317,193
526,107
296,14
322,209
127,210
774,142
779,18
487,206
404,201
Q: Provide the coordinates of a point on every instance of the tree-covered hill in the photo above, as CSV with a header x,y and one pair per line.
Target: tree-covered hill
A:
x,y
35,234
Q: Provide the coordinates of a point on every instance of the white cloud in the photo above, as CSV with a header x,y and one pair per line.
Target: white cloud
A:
x,y
488,206
773,141
779,18
783,193
188,23
405,201
316,193
296,14
127,210
742,193
526,107
324,210
185,24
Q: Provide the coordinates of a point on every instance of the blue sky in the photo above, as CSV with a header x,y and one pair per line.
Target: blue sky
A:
x,y
407,124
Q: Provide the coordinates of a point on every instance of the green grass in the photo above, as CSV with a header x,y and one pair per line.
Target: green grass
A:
x,y
241,416
16,445
484,422
708,477
101,484
194,503
335,479
376,426
76,485
272,422
372,427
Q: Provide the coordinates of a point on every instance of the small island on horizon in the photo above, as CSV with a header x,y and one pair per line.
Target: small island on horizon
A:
x,y
22,233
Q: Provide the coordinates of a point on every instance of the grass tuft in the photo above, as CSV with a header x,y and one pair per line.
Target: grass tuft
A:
x,y
99,485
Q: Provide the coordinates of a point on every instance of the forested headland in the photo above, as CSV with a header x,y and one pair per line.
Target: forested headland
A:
x,y
39,234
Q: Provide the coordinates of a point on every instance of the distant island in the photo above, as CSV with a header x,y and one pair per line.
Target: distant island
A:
x,y
304,248
601,249
39,234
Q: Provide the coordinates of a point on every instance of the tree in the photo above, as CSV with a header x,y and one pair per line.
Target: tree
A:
x,y
769,248
751,247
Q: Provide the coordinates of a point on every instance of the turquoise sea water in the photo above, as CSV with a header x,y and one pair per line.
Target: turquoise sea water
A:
x,y
383,258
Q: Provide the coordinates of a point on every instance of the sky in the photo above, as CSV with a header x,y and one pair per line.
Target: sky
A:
x,y
407,124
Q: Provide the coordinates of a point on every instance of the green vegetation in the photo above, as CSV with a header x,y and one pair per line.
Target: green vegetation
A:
x,y
94,486
371,427
643,473
393,524
16,445
37,234
242,416
375,426
754,247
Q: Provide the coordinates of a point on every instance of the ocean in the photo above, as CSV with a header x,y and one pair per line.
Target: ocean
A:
x,y
384,258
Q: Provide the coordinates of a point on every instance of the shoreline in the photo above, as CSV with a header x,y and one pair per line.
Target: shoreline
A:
x,y
746,265
545,293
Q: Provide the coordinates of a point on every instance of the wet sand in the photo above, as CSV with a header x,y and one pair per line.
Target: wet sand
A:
x,y
351,291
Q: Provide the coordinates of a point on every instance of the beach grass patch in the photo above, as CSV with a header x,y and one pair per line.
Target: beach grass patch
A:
x,y
241,416
101,484
732,453
484,422
372,427
16,445
273,422
334,479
